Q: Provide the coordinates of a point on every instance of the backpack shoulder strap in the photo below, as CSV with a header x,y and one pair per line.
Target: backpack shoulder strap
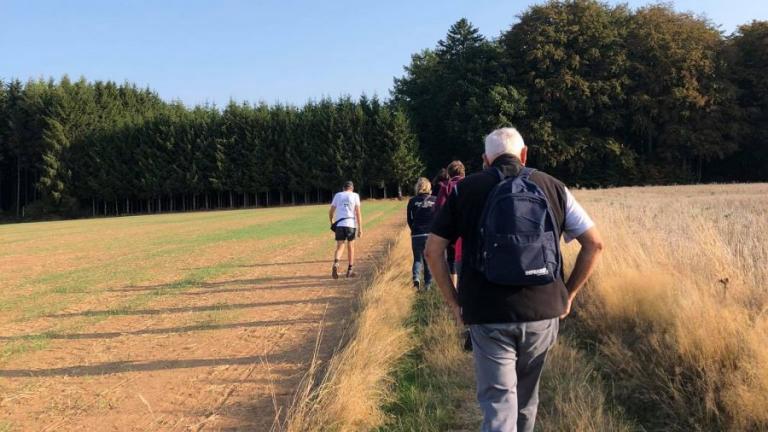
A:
x,y
499,174
526,172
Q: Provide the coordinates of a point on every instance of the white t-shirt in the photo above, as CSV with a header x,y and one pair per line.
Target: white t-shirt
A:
x,y
577,221
345,204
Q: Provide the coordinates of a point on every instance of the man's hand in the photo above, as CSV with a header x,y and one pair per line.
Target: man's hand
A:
x,y
567,308
359,221
591,247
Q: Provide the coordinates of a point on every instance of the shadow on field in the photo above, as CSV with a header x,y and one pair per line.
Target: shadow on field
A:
x,y
158,331
251,285
358,260
218,307
109,368
254,288
193,284
286,263
296,354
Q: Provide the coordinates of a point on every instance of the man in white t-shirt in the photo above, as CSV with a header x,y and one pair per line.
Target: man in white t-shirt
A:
x,y
345,216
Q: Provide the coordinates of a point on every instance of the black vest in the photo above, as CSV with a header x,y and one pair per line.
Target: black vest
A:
x,y
483,302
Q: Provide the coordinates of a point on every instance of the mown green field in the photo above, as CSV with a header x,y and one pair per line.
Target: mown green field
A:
x,y
172,320
48,267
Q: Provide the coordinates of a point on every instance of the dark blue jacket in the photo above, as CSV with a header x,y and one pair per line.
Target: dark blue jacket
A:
x,y
420,213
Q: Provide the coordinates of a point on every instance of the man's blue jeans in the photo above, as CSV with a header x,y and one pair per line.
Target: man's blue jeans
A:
x,y
419,263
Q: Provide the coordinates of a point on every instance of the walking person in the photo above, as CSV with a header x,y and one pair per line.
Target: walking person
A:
x,y
420,212
456,173
511,293
437,182
347,224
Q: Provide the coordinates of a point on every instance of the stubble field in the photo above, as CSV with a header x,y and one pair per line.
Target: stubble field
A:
x,y
675,319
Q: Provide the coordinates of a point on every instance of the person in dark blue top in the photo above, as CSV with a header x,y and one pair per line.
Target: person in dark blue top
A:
x,y
420,213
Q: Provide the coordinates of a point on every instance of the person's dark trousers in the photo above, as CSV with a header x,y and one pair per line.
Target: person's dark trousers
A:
x,y
419,263
509,359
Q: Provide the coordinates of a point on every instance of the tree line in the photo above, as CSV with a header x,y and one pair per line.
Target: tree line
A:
x,y
78,148
604,95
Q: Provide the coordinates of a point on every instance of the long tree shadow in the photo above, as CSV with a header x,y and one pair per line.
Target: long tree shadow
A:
x,y
196,284
359,260
252,285
296,353
109,368
158,331
205,291
219,307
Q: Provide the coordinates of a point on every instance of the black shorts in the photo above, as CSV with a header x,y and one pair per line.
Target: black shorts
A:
x,y
345,233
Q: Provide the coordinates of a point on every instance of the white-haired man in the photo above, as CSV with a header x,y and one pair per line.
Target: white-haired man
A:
x,y
512,325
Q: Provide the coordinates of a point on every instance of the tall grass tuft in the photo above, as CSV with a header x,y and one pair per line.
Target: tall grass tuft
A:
x,y
349,393
573,397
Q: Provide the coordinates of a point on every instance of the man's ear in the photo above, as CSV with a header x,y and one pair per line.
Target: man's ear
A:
x,y
486,163
524,155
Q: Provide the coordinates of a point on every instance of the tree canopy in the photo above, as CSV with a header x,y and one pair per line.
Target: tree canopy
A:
x,y
603,95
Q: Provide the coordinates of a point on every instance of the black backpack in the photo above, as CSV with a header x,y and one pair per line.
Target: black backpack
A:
x,y
519,243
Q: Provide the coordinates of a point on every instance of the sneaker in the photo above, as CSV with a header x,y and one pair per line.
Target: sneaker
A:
x,y
417,285
335,272
351,274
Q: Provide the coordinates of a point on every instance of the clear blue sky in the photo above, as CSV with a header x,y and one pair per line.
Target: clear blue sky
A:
x,y
289,51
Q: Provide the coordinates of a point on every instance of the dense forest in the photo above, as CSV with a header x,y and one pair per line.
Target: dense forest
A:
x,y
79,148
604,96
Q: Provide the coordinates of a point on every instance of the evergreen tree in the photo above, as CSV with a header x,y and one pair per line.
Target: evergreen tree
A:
x,y
405,165
456,94
54,175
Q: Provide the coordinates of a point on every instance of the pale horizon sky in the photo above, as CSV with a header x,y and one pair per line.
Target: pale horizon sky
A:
x,y
273,51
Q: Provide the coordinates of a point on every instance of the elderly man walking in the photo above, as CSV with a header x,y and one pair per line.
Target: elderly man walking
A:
x,y
512,292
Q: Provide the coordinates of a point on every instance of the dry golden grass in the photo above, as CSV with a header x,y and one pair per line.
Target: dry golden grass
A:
x,y
350,392
675,318
678,304
574,397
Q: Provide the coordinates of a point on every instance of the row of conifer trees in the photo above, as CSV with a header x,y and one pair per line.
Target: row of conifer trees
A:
x,y
102,148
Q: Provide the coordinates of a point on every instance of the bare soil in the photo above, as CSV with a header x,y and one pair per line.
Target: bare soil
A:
x,y
223,354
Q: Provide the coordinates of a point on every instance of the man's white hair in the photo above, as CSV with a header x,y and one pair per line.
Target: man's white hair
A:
x,y
503,141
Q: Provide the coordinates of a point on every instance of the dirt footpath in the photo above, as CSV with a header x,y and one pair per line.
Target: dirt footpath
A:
x,y
225,354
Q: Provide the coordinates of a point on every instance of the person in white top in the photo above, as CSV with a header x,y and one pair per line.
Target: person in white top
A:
x,y
347,224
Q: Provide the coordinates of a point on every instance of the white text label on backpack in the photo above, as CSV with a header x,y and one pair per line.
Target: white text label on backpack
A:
x,y
537,272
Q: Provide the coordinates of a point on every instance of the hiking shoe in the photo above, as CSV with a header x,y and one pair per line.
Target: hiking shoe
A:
x,y
417,285
335,272
351,274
